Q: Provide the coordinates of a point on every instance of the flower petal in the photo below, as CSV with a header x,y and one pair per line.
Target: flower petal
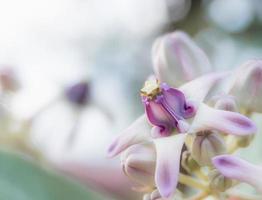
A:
x,y
236,168
208,118
139,162
199,88
177,59
158,117
138,132
168,162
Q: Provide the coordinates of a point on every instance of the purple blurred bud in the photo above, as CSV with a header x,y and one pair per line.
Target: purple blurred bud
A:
x,y
78,93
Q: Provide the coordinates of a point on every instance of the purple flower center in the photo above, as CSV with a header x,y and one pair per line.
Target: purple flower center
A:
x,y
166,107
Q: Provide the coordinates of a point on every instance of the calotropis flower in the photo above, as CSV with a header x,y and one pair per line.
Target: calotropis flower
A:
x,y
172,114
239,169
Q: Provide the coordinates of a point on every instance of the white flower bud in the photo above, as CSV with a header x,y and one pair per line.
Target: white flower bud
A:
x,y
247,86
206,145
138,163
177,59
226,102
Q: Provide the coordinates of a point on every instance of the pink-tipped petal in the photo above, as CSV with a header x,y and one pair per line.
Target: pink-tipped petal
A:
x,y
208,118
168,162
177,59
199,88
138,132
241,170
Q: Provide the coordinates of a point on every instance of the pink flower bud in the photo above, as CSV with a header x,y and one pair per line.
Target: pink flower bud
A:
x,y
177,59
138,163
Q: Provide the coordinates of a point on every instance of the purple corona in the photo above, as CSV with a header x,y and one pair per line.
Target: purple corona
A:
x,y
166,107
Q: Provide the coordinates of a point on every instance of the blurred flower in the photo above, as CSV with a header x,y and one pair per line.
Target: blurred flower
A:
x,y
8,79
177,9
236,168
232,16
78,93
247,86
177,59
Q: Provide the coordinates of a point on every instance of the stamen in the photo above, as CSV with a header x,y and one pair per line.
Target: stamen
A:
x,y
151,89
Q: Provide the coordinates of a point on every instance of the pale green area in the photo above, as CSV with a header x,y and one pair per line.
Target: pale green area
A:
x,y
22,180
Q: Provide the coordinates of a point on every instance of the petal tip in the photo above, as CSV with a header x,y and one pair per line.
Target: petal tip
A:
x,y
111,151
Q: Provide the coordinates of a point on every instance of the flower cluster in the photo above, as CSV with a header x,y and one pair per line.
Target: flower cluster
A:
x,y
193,119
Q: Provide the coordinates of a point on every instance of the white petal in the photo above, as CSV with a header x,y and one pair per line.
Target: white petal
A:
x,y
208,118
168,163
138,132
199,88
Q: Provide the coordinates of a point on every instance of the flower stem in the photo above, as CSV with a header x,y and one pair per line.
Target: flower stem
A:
x,y
200,174
189,181
199,196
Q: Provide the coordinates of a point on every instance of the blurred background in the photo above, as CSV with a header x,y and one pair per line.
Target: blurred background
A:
x,y
70,72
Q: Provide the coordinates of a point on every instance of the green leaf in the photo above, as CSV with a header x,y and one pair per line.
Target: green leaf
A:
x,y
21,179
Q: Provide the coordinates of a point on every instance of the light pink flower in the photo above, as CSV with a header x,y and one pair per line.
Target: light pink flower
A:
x,y
171,114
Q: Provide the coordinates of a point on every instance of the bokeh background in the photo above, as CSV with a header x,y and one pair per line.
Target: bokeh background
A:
x,y
53,147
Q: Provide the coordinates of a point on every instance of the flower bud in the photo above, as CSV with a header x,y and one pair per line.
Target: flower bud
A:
x,y
226,102
155,195
206,145
188,162
78,93
177,59
138,163
218,182
247,86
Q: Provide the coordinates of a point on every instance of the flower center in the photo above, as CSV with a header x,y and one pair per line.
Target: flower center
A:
x,y
166,107
151,89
